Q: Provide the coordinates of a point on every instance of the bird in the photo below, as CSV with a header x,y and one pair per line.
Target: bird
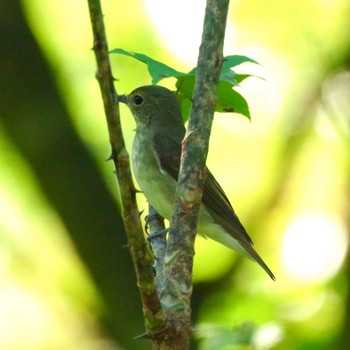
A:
x,y
156,156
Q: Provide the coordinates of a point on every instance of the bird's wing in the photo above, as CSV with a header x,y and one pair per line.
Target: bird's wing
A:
x,y
220,208
168,153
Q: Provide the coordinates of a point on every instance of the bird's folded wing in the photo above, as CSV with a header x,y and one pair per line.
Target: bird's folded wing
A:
x,y
168,153
220,208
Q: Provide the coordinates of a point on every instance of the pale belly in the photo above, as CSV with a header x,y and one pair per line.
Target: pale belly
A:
x,y
159,189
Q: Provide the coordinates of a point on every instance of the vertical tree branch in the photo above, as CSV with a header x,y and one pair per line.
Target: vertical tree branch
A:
x,y
177,291
140,253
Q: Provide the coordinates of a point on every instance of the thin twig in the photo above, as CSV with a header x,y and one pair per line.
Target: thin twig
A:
x,y
140,253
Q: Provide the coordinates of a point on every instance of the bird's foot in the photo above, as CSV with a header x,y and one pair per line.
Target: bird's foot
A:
x,y
158,234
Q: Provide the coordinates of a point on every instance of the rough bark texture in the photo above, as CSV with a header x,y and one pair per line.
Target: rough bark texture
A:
x,y
176,294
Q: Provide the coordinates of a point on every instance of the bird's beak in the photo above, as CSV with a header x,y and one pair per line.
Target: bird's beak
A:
x,y
122,98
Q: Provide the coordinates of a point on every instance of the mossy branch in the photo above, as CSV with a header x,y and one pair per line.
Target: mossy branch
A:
x,y
176,293
140,253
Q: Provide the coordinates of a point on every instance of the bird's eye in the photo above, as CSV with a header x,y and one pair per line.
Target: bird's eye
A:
x,y
138,100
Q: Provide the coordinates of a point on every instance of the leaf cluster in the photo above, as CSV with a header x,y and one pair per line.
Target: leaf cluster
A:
x,y
228,99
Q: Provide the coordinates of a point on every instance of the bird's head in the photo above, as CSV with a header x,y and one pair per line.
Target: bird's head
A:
x,y
153,105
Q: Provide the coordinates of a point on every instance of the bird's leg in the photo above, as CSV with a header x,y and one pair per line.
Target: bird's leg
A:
x,y
156,223
157,239
157,234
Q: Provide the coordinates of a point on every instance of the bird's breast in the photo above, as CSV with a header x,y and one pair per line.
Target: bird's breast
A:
x,y
157,186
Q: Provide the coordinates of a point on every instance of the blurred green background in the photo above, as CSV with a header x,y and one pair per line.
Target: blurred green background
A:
x,y
67,281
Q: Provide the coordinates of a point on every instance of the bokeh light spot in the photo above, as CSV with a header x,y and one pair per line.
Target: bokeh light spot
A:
x,y
314,247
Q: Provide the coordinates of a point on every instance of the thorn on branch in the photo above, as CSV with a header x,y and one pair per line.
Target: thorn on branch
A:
x,y
110,157
145,335
137,191
95,45
125,246
98,76
187,136
168,330
115,95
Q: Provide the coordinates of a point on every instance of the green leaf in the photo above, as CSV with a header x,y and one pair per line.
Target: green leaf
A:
x,y
185,85
228,100
241,77
236,60
157,70
227,74
185,106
